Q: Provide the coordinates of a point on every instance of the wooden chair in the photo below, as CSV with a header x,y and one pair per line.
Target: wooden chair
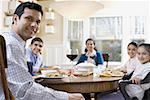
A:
x,y
106,58
3,65
124,83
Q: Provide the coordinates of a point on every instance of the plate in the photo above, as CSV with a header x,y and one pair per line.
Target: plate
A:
x,y
111,74
51,77
44,72
44,77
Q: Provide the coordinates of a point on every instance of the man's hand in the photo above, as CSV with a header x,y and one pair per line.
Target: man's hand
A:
x,y
76,96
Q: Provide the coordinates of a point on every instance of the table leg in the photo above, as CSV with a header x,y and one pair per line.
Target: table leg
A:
x,y
93,96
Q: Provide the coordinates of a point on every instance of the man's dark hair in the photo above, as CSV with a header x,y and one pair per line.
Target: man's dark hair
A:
x,y
31,5
36,39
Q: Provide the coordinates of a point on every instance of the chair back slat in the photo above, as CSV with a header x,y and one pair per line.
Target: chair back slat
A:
x,y
3,65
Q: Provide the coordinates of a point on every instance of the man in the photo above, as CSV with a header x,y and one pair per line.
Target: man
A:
x,y
26,20
33,54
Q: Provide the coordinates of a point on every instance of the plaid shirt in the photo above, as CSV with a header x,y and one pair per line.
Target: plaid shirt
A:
x,y
20,81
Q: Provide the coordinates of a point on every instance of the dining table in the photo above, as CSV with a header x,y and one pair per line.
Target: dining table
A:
x,y
88,84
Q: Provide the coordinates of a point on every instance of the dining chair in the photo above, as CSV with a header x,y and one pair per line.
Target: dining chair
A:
x,y
106,58
3,65
124,83
30,67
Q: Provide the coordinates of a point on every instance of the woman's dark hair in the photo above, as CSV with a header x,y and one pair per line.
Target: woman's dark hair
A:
x,y
36,39
146,46
132,43
90,39
31,5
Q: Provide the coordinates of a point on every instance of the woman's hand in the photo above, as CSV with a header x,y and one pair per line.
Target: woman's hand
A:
x,y
76,96
136,80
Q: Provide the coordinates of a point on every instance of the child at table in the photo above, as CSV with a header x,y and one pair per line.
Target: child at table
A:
x,y
133,61
137,90
33,55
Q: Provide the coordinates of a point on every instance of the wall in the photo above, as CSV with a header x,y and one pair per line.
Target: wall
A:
x,y
58,25
125,9
53,42
3,9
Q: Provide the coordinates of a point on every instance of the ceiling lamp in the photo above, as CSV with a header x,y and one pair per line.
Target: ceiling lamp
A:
x,y
76,9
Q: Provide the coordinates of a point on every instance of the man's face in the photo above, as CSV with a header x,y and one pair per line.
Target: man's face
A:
x,y
28,24
36,47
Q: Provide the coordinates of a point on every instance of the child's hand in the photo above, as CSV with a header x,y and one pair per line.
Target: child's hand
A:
x,y
123,70
136,80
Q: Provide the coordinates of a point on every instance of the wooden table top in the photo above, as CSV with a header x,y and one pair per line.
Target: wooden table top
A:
x,y
88,84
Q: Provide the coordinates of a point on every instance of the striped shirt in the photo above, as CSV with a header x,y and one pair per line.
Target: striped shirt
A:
x,y
19,79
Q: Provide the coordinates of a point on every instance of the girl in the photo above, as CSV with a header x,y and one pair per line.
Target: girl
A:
x,y
137,89
130,65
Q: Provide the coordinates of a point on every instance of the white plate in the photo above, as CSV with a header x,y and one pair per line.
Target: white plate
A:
x,y
44,72
52,77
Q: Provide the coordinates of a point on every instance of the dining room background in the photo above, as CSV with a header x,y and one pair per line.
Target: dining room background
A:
x,y
112,27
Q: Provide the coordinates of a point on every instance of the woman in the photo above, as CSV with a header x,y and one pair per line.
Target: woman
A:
x,y
91,55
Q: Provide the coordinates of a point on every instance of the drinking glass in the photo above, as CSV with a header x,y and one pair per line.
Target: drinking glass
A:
x,y
72,54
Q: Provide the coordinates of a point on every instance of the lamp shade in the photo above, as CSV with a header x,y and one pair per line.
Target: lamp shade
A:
x,y
76,10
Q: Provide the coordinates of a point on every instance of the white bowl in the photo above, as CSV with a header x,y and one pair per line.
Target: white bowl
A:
x,y
44,72
85,65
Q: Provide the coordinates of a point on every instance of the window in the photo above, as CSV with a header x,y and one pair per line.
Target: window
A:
x,y
75,30
137,25
108,34
106,27
112,47
76,45
137,28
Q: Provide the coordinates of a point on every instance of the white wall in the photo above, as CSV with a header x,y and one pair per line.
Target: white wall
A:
x,y
124,8
58,42
127,8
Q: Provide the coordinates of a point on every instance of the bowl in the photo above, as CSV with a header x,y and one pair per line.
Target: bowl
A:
x,y
85,65
44,72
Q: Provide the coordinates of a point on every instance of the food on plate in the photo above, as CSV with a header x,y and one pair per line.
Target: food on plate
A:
x,y
114,73
50,68
50,73
65,72
106,74
53,75
117,73
80,73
